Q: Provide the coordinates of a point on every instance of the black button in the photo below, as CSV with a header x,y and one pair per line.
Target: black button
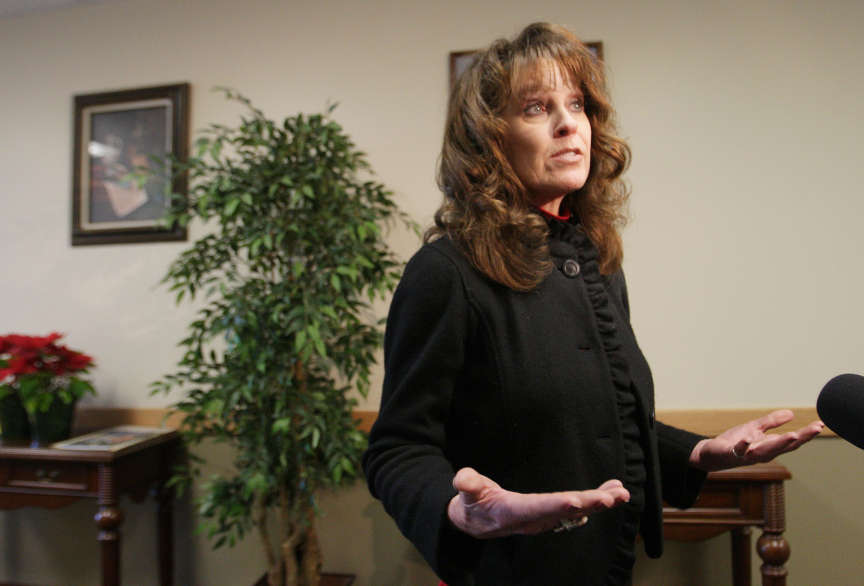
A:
x,y
571,268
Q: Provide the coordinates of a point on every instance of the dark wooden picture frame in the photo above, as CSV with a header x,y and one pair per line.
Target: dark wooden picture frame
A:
x,y
460,60
117,133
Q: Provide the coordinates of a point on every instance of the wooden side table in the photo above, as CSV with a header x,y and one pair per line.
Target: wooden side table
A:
x,y
736,500
51,478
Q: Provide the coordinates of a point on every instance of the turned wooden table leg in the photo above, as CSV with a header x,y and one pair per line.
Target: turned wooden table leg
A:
x,y
108,519
772,546
741,556
165,521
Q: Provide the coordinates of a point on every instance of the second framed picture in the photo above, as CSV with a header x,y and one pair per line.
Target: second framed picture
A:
x,y
116,135
460,60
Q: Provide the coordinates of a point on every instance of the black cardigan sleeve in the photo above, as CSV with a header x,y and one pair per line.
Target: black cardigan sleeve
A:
x,y
680,481
406,464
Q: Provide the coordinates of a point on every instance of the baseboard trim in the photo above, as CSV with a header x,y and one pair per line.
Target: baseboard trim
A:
x,y
87,418
702,421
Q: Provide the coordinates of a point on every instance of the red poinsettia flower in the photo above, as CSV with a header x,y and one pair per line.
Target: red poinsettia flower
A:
x,y
35,354
36,368
24,364
74,361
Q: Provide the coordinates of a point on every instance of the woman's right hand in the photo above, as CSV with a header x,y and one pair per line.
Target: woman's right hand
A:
x,y
484,510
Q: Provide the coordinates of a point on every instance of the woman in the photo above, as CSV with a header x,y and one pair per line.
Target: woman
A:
x,y
516,441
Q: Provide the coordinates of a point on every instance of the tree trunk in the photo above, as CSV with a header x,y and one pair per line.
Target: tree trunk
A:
x,y
301,554
310,561
289,557
274,575
274,564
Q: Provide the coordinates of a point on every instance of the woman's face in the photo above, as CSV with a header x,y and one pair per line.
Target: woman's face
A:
x,y
548,137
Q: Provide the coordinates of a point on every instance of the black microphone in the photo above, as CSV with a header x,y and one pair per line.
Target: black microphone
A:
x,y
841,407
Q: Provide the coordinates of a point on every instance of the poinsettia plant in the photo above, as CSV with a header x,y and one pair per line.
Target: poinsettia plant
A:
x,y
40,370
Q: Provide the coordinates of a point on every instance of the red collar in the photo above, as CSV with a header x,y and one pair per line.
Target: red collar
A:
x,y
562,218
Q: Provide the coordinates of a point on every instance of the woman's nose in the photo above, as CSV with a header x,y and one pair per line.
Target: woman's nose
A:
x,y
565,125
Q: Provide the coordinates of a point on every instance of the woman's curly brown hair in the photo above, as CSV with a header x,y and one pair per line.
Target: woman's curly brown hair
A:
x,y
487,211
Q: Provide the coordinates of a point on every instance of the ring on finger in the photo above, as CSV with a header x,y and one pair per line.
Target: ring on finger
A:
x,y
570,524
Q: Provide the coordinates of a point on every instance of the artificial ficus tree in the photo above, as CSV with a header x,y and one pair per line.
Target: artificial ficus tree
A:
x,y
285,333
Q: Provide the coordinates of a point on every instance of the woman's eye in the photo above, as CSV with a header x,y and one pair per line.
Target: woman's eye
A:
x,y
578,105
533,109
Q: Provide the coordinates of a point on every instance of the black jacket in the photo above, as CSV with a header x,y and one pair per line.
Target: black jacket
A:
x,y
517,386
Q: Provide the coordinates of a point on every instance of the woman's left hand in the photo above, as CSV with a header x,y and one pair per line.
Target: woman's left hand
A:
x,y
748,443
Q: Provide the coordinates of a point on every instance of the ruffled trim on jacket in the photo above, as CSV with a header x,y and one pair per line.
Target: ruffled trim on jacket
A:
x,y
568,240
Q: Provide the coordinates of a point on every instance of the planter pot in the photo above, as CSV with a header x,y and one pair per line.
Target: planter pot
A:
x,y
13,419
326,580
53,425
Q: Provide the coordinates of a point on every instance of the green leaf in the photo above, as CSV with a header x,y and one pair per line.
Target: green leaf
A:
x,y
213,407
201,146
216,148
256,483
282,425
232,206
351,272
300,340
319,347
202,204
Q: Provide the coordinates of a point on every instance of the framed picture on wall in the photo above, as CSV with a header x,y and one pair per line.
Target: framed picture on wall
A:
x,y
117,134
460,60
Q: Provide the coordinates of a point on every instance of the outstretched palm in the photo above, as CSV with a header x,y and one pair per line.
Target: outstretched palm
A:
x,y
485,510
748,443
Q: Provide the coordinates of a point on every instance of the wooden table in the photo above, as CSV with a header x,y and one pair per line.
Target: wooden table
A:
x,y
736,500
51,478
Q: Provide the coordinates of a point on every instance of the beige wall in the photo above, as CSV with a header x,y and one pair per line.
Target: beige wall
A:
x,y
744,119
